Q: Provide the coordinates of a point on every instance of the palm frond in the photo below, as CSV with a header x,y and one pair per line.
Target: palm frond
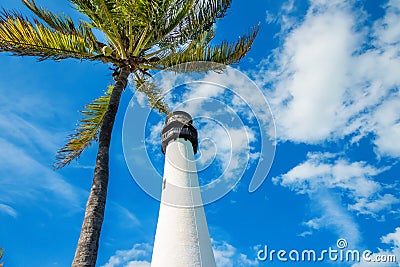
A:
x,y
59,23
153,94
200,50
63,23
179,23
128,24
106,7
86,132
23,38
199,17
168,19
103,15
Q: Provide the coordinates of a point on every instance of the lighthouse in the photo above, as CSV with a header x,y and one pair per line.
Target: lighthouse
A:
x,y
182,238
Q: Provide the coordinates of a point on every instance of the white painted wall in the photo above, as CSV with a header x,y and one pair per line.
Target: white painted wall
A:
x,y
182,237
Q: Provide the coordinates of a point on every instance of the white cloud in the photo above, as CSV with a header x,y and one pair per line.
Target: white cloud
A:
x,y
154,138
379,203
27,134
223,254
335,77
122,216
23,177
388,28
393,241
227,255
392,238
334,217
322,176
230,146
8,210
311,76
387,127
138,255
28,144
324,84
331,171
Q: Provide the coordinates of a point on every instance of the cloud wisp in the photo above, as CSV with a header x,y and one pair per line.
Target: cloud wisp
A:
x,y
27,147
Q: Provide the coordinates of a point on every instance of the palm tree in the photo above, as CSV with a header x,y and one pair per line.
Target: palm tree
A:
x,y
138,37
1,256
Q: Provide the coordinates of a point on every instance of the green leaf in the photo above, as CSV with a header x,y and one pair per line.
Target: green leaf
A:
x,y
104,16
23,38
86,132
63,23
199,50
199,17
153,94
59,23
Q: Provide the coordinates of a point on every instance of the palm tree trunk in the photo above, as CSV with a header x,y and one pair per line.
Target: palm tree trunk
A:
x,y
88,243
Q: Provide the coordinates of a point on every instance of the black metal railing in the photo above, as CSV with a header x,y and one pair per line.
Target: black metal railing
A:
x,y
178,124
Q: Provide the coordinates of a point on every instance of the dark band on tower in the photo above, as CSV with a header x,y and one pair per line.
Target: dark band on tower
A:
x,y
179,124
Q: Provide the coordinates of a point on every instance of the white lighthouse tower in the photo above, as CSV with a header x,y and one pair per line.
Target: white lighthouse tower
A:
x,y
182,238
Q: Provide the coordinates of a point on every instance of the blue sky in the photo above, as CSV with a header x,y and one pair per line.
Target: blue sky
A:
x,y
330,72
